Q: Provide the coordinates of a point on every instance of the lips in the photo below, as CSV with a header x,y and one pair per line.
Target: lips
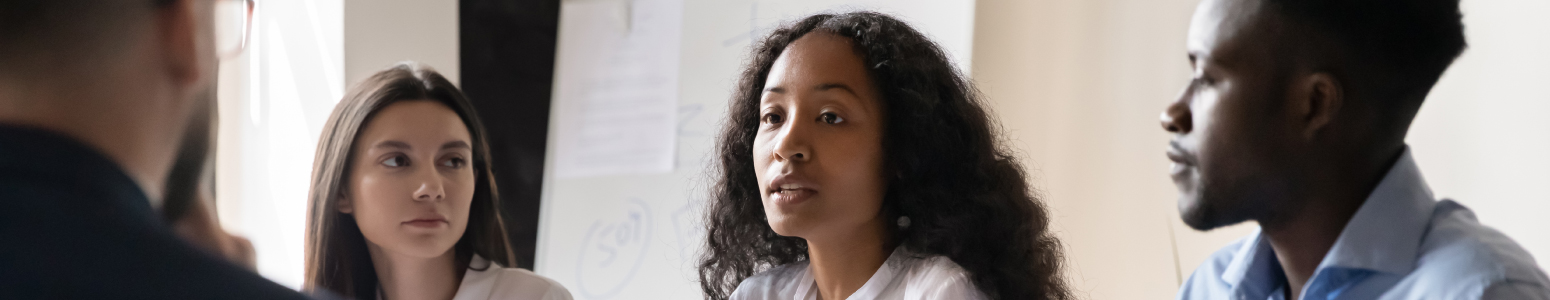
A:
x,y
790,188
1183,161
427,222
1179,156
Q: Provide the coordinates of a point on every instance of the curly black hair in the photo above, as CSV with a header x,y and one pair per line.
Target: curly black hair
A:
x,y
964,192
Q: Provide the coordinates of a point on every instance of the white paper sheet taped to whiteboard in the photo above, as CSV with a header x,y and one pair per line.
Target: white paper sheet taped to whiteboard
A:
x,y
617,88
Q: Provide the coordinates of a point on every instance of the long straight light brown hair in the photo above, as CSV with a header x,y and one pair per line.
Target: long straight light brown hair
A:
x,y
337,259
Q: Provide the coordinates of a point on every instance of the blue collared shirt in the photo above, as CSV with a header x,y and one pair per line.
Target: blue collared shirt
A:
x,y
1401,244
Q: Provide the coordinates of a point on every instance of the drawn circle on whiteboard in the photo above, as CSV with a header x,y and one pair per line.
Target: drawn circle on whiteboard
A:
x,y
613,249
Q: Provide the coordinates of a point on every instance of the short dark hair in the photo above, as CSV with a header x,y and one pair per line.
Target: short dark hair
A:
x,y
1407,42
73,27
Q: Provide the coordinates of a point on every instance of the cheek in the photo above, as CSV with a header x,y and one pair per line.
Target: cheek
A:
x,y
1233,141
856,168
1217,116
460,195
761,159
379,200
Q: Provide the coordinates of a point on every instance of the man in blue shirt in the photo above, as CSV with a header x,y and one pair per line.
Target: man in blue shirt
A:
x,y
1296,119
95,97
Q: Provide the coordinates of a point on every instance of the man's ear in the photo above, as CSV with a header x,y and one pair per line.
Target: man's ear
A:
x,y
178,30
344,205
1316,100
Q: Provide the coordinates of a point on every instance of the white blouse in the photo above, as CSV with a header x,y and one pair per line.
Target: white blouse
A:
x,y
902,276
497,282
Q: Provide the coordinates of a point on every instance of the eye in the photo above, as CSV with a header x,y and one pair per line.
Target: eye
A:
x,y
773,118
455,162
830,118
396,161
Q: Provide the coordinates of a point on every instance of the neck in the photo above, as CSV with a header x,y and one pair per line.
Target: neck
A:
x,y
411,278
1303,235
841,264
1301,243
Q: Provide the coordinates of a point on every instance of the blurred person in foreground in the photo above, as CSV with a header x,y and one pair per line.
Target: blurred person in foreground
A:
x,y
188,204
1296,119
95,99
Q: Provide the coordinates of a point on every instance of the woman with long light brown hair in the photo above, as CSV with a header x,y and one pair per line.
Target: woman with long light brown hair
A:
x,y
403,204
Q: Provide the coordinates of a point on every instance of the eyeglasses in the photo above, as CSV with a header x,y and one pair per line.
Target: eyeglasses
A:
x,y
233,22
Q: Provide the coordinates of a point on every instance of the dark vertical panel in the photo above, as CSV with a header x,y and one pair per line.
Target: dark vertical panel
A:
x,y
507,71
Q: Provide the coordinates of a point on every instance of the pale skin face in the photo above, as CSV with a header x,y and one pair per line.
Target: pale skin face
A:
x,y
411,180
818,152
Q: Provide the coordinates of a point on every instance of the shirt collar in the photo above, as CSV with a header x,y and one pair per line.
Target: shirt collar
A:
x,y
870,290
1383,236
478,280
880,281
1254,269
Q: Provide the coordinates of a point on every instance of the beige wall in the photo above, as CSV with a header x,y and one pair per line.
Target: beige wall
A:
x,y
1079,84
378,33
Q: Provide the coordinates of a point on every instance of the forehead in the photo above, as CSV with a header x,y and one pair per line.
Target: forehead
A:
x,y
818,57
1221,27
415,119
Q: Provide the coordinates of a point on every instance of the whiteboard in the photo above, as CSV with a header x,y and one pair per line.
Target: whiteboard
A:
x,y
637,236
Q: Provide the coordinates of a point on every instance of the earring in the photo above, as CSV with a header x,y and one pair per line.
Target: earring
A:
x,y
904,222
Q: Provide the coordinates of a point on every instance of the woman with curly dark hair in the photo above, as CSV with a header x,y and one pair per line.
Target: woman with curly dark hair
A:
x,y
858,163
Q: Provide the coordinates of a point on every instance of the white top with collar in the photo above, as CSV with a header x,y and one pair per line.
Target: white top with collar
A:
x,y
497,282
902,276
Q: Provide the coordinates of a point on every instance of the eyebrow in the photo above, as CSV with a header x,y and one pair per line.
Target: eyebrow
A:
x,y
455,145
393,145
405,146
820,88
842,86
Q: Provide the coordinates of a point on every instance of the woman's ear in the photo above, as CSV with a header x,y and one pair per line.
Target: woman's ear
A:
x,y
344,205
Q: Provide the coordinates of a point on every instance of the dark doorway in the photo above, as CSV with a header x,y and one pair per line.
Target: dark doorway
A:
x,y
507,50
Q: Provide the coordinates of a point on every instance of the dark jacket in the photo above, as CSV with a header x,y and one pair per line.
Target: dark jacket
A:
x,y
75,226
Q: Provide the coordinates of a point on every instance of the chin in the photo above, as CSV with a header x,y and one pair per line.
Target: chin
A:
x,y
1195,216
785,225
426,247
1204,214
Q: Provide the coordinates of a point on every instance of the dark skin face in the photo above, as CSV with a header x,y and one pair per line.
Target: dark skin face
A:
x,y
1264,132
1231,135
818,156
818,153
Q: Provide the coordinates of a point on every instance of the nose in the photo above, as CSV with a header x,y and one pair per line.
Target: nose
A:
x,y
430,186
1176,118
791,145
